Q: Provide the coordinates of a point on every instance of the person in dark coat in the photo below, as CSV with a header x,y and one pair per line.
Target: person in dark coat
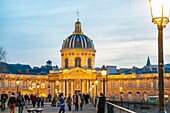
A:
x,y
4,98
82,101
33,99
101,103
38,101
69,102
20,103
12,103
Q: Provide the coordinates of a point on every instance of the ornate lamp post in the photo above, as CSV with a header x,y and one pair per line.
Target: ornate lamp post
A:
x,y
120,91
38,86
17,83
104,73
160,16
96,82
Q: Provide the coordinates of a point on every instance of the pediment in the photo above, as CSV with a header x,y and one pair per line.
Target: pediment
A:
x,y
77,73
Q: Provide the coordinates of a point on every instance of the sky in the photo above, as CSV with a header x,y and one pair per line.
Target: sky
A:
x,y
32,31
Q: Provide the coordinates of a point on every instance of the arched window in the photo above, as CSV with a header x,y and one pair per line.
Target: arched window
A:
x,y
66,63
77,62
89,63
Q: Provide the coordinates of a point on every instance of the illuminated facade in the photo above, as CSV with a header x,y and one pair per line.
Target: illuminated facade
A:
x,y
77,74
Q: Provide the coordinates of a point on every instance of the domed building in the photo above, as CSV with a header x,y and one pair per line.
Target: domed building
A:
x,y
78,75
78,50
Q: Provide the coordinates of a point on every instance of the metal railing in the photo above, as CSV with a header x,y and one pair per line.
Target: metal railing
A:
x,y
113,108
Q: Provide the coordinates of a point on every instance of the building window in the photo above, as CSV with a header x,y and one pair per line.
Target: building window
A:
x,y
34,85
89,63
121,83
66,63
112,84
77,62
129,83
42,85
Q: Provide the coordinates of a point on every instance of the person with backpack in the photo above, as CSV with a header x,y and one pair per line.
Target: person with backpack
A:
x,y
20,103
101,103
12,102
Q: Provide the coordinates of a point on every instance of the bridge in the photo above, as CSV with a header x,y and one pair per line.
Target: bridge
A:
x,y
111,107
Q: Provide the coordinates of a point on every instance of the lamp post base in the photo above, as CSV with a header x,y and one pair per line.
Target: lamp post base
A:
x,y
162,111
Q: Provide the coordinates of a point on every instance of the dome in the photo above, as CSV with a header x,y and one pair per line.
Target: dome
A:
x,y
78,39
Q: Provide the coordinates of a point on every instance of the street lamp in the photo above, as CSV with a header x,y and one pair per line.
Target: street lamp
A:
x,y
38,86
17,82
104,73
160,13
96,82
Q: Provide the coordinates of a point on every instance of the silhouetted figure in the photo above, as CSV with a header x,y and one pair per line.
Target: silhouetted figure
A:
x,y
4,98
101,103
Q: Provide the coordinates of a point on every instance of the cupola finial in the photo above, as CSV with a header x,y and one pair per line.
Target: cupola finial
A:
x,y
77,16
77,25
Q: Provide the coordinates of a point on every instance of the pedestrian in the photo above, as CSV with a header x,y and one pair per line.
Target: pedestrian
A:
x,y
26,97
4,98
82,101
77,101
12,102
20,103
33,99
101,103
69,102
42,102
62,103
38,101
53,104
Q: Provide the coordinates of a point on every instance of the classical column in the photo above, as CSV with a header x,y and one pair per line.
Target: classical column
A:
x,y
87,86
64,87
72,89
83,89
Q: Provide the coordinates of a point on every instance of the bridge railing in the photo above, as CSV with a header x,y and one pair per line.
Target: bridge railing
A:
x,y
113,108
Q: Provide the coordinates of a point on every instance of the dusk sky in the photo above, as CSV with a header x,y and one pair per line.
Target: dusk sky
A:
x,y
32,31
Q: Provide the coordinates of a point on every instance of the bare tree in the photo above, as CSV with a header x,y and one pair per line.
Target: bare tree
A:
x,y
3,54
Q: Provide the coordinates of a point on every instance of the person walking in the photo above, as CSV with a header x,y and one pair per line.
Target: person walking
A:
x,y
33,99
69,102
20,103
77,102
62,103
42,102
26,98
82,101
38,100
12,103
101,103
4,98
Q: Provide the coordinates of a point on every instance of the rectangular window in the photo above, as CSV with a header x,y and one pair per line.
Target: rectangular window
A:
x,y
112,85
42,85
129,83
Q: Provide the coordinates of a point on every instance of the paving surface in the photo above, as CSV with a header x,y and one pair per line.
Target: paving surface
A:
x,y
89,108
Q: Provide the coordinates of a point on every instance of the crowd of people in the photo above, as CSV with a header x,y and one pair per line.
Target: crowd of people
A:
x,y
20,101
76,100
